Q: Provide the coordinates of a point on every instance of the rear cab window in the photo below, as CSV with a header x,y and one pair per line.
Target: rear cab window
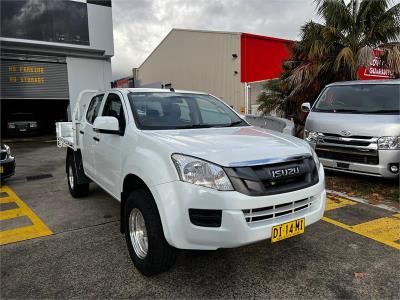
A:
x,y
93,109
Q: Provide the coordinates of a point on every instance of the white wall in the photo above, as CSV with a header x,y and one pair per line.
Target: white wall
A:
x,y
101,28
87,73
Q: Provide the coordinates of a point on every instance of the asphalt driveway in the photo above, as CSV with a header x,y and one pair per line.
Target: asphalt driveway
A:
x,y
83,255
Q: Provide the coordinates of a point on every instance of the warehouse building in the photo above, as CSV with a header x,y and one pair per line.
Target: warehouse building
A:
x,y
229,65
50,51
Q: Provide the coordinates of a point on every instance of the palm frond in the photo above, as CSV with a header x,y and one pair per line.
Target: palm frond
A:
x,y
392,60
345,59
364,56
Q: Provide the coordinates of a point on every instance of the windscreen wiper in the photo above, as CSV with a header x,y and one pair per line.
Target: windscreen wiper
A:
x,y
193,126
234,123
345,110
382,111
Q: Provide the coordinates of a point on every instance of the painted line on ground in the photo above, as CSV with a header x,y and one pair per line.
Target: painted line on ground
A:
x,y
384,230
37,229
361,200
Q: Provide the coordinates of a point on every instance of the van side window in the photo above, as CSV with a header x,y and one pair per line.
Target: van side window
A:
x,y
114,108
93,109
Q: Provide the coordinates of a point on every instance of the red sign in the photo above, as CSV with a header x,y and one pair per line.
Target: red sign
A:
x,y
375,70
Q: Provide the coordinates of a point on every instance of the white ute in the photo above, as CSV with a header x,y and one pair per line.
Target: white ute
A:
x,y
189,172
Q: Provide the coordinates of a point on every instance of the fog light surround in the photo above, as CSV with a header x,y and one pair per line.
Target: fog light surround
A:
x,y
394,168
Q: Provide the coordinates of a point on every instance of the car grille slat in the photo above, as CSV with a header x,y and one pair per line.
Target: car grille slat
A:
x,y
271,212
356,149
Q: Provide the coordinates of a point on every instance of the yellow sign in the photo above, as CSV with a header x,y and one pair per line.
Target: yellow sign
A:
x,y
24,70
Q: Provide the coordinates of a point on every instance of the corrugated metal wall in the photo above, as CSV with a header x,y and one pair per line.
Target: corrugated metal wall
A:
x,y
199,61
23,79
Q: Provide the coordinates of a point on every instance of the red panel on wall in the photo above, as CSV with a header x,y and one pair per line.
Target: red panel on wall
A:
x,y
261,57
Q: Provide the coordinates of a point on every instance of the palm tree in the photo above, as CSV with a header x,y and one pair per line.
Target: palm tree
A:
x,y
334,50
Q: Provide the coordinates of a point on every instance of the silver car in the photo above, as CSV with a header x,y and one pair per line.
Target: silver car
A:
x,y
355,127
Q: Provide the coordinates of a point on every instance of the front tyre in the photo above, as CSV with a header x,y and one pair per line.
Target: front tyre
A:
x,y
76,189
148,249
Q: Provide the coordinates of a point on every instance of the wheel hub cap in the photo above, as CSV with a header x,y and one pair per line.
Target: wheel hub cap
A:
x,y
71,177
138,233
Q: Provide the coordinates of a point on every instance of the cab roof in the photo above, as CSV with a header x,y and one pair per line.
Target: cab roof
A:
x,y
359,82
153,90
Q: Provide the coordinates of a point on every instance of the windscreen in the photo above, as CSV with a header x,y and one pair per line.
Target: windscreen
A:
x,y
180,111
360,99
22,117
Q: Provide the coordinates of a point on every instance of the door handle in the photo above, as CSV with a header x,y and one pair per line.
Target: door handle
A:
x,y
81,132
96,139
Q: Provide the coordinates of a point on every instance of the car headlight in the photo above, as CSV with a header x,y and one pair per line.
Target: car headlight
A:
x,y
7,149
200,172
315,157
389,142
310,136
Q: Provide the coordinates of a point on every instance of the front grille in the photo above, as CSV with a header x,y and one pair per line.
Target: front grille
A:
x,y
275,211
358,149
348,157
260,180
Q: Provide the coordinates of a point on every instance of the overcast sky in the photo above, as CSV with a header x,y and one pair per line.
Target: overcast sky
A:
x,y
140,25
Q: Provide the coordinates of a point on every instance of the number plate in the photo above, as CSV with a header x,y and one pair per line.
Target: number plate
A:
x,y
1,169
287,230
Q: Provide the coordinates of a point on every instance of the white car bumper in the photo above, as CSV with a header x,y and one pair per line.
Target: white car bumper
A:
x,y
174,199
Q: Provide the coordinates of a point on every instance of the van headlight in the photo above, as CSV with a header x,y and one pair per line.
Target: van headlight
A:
x,y
310,136
200,172
389,143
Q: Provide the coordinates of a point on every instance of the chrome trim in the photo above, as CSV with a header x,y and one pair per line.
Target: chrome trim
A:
x,y
352,171
266,161
369,147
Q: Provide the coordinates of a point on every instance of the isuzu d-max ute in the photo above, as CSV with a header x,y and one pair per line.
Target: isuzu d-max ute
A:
x,y
189,172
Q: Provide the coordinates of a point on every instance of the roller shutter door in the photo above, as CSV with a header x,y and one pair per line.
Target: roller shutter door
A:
x,y
27,79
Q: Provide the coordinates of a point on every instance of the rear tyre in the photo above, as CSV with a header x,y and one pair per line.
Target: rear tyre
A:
x,y
150,252
77,190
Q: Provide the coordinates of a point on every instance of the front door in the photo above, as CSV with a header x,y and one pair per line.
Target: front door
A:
x,y
87,135
108,159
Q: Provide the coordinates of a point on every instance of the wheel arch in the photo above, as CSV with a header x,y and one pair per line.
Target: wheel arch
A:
x,y
133,182
76,157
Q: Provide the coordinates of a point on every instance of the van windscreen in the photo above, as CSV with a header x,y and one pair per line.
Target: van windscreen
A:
x,y
360,99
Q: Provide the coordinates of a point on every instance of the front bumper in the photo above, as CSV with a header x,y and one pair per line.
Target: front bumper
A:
x,y
8,166
386,157
174,199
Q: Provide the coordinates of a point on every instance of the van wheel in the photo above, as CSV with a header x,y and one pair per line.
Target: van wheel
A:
x,y
77,190
150,252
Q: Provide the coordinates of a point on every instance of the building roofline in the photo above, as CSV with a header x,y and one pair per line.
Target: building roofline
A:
x,y
269,38
189,30
216,32
208,31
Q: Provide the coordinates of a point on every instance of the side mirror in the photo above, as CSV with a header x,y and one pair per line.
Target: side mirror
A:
x,y
108,125
306,107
